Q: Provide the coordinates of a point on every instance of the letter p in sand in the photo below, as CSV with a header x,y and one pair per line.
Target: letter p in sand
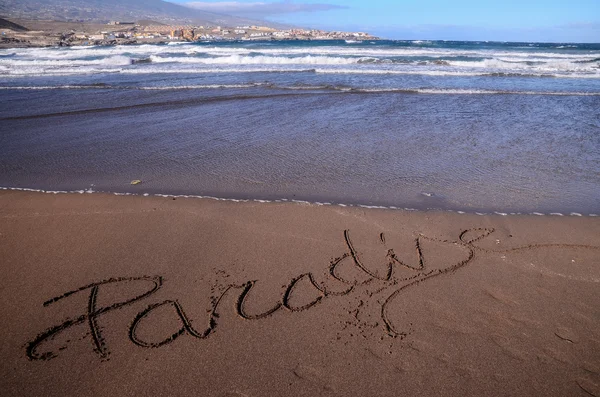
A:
x,y
92,314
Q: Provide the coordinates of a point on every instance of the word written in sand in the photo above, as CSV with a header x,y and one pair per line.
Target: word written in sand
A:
x,y
345,274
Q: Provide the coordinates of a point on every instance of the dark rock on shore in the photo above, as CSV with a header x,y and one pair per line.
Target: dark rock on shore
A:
x,y
4,24
141,61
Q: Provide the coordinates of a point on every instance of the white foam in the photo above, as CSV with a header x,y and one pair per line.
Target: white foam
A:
x,y
400,60
518,64
372,206
324,50
431,91
262,201
450,73
500,92
300,202
200,86
58,87
118,60
180,70
187,67
259,60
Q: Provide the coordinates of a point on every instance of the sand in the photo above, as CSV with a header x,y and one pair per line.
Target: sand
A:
x,y
105,295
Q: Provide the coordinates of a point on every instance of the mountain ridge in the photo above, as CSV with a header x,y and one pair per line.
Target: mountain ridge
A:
x,y
123,10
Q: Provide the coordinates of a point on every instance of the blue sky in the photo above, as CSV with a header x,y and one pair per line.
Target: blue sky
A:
x,y
510,20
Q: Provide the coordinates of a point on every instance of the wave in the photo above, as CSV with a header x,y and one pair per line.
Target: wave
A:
x,y
193,49
436,67
117,60
307,87
556,65
148,88
456,91
237,58
288,58
258,60
589,61
166,54
32,72
449,73
502,92
35,72
166,68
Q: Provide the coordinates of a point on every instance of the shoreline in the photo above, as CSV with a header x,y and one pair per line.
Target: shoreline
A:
x,y
243,299
295,201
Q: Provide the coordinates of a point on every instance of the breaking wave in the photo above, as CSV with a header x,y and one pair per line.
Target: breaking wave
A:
x,y
468,67
258,60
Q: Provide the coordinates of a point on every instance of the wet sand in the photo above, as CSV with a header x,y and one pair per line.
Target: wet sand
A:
x,y
105,295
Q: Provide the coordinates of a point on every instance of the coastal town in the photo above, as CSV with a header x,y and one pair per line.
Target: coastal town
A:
x,y
200,33
150,32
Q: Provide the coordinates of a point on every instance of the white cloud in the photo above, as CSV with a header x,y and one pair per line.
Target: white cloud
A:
x,y
260,8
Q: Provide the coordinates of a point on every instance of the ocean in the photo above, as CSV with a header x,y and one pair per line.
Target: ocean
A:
x,y
463,126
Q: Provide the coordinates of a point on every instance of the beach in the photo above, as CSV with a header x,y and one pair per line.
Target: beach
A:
x,y
300,218
133,295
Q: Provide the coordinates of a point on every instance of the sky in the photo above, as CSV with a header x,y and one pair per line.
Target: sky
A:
x,y
502,20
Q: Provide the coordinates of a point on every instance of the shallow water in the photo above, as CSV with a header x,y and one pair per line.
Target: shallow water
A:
x,y
510,142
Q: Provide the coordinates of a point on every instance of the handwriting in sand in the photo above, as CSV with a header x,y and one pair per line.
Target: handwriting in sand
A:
x,y
398,277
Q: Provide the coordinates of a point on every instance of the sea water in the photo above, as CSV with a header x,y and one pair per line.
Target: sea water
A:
x,y
469,126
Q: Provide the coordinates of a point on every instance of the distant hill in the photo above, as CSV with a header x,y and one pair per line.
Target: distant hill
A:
x,y
147,22
119,10
4,24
